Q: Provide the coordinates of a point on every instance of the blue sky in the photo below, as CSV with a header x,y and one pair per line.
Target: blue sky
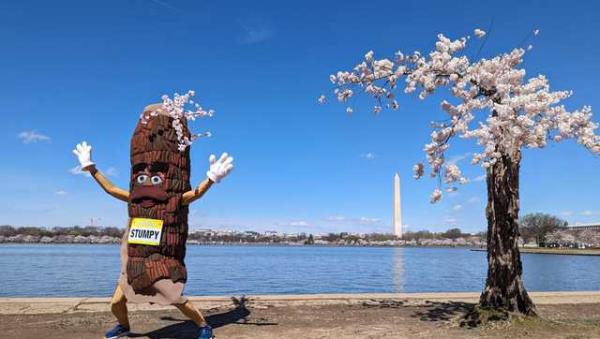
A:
x,y
76,71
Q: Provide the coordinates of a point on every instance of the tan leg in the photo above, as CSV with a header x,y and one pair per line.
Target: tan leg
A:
x,y
118,306
190,311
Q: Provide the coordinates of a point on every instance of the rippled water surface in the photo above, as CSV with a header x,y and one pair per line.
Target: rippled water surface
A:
x,y
92,270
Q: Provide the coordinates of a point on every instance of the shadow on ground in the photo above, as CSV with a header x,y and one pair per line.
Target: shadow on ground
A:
x,y
444,311
187,329
386,303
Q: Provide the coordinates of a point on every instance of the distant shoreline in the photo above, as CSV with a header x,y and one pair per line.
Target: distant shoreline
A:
x,y
248,244
453,237
193,239
554,251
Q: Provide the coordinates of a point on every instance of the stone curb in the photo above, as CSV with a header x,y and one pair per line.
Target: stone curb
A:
x,y
70,305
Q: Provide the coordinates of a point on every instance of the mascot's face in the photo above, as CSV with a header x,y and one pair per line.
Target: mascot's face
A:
x,y
149,184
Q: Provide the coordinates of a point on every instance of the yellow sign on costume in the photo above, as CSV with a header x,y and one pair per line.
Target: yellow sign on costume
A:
x,y
144,231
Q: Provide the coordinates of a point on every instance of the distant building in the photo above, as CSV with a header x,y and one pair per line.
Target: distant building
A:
x,y
595,226
397,221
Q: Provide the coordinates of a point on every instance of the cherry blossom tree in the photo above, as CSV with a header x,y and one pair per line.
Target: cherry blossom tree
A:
x,y
492,102
561,238
589,237
182,108
537,225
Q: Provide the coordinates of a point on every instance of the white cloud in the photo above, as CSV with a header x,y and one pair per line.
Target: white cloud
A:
x,y
28,137
368,155
352,221
256,32
77,171
368,221
588,213
60,192
295,223
457,207
112,172
166,5
566,213
452,193
473,200
336,218
458,158
450,221
479,178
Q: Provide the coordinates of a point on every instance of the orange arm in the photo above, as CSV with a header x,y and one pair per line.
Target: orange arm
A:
x,y
191,196
108,186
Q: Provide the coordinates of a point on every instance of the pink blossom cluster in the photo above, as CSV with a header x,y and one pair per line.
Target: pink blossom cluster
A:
x,y
176,108
492,102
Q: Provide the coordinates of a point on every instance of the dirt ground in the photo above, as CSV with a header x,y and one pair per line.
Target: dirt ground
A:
x,y
374,319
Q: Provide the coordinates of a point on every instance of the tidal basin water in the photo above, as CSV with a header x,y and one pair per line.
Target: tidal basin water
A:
x,y
92,270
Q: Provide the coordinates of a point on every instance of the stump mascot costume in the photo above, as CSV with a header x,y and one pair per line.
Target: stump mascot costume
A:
x,y
153,248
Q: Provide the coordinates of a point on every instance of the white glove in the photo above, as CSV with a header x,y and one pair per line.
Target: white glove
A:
x,y
219,168
83,151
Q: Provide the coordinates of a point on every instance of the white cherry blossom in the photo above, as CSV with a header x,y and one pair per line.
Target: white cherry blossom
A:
x,y
479,33
436,195
491,101
418,170
176,108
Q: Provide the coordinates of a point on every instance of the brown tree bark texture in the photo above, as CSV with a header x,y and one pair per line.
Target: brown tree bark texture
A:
x,y
504,287
156,142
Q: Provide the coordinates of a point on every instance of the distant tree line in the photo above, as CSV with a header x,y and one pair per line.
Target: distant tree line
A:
x,y
86,231
247,237
452,233
545,230
207,236
535,227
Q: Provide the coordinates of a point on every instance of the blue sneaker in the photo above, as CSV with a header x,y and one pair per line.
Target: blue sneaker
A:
x,y
117,331
205,332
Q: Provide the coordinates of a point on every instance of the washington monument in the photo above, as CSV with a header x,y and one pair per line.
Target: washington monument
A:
x,y
397,208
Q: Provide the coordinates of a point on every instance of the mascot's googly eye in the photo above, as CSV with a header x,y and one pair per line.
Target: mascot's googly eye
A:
x,y
156,180
142,179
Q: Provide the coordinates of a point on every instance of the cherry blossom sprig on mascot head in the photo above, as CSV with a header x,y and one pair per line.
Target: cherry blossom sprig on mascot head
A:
x,y
176,108
523,112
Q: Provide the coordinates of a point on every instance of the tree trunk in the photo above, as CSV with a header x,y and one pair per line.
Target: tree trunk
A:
x,y
504,288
